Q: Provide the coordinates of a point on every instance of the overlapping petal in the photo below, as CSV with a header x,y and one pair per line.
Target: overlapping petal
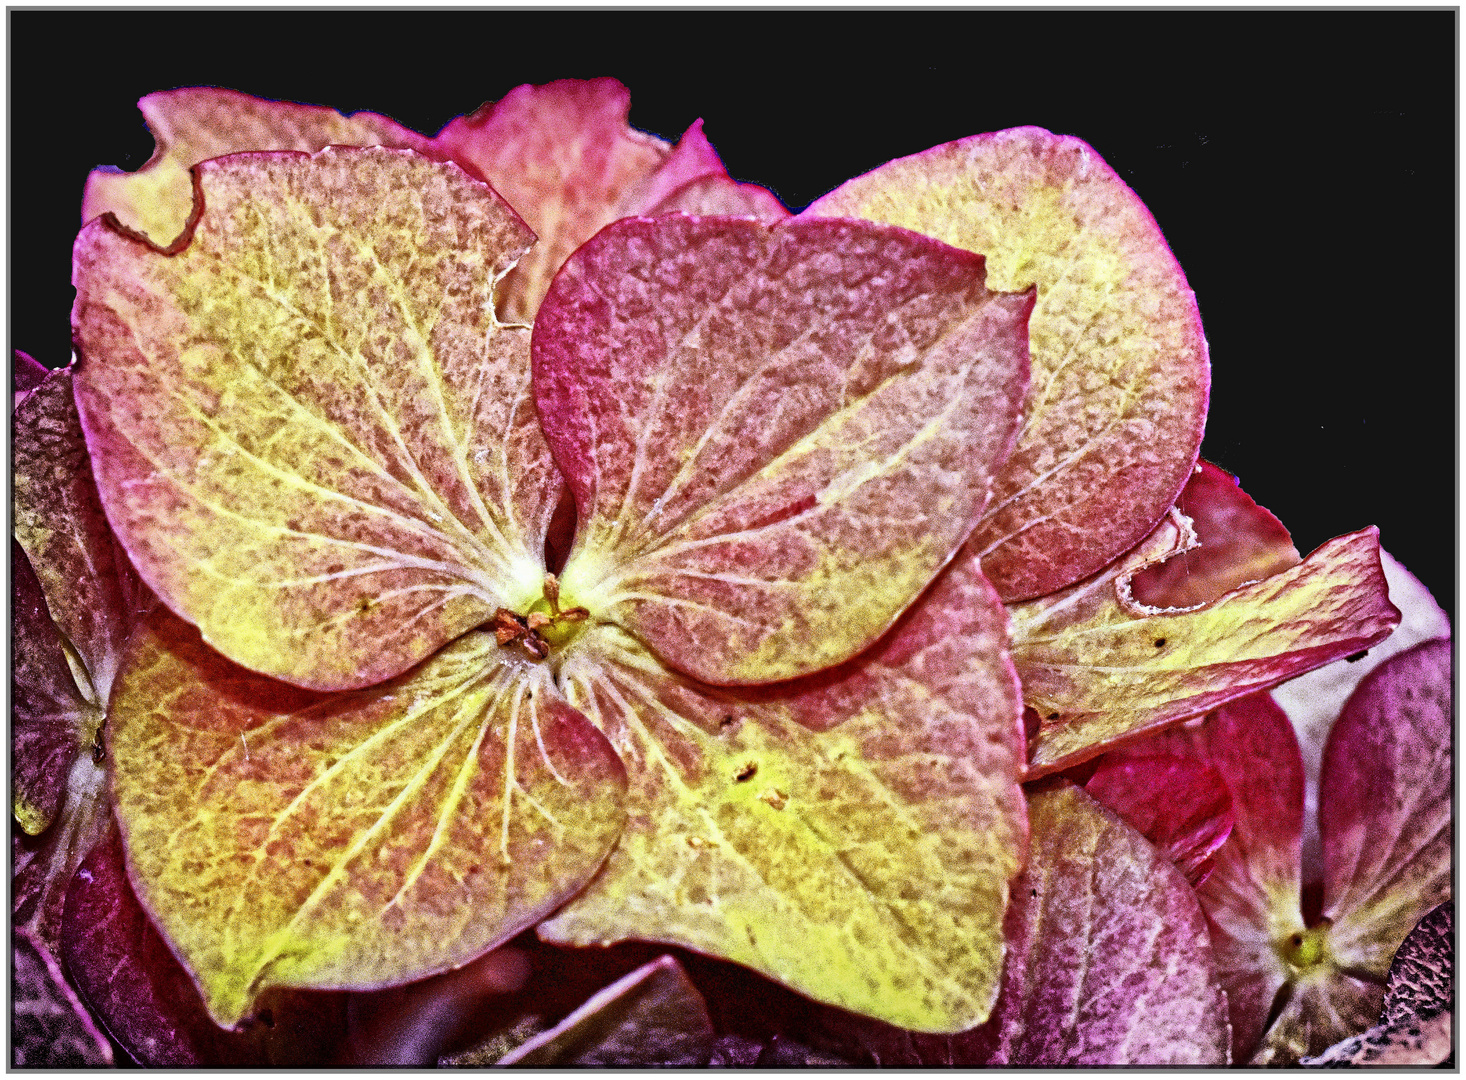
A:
x,y
281,837
136,988
775,435
851,835
1179,804
1107,961
310,432
1099,668
1385,806
1296,986
1117,403
93,593
564,156
195,123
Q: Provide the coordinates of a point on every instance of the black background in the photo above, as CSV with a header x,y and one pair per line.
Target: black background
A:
x,y
1301,164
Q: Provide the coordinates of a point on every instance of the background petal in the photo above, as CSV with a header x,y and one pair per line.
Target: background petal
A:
x,y
1385,807
1117,402
564,156
1098,668
195,123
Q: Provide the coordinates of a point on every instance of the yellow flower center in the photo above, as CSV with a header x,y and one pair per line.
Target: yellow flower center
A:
x,y
1305,950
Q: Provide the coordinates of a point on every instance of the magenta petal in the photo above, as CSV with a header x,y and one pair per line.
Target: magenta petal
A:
x,y
25,377
1180,805
1385,805
126,973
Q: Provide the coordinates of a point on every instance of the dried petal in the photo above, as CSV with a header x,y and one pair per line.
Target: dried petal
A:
x,y
1385,807
93,593
1107,963
850,835
310,433
195,123
564,157
127,975
1098,668
1117,402
1180,805
776,436
280,837
1238,542
1314,700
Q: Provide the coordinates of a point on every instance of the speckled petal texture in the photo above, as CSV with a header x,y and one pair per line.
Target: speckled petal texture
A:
x,y
776,435
1117,403
281,837
851,835
1099,668
563,155
196,123
309,431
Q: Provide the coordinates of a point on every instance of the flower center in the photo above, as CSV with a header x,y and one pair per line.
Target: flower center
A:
x,y
1305,950
543,627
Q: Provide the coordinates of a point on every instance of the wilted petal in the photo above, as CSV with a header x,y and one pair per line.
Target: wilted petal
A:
x,y
564,157
195,123
1116,406
1237,542
776,435
850,835
1099,668
653,1016
309,431
280,837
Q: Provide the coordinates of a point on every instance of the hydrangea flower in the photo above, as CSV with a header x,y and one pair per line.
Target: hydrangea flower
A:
x,y
385,721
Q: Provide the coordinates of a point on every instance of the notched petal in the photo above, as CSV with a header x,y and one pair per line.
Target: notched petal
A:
x,y
1114,414
1099,669
196,123
309,431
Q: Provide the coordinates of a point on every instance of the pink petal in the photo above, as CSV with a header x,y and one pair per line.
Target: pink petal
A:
x,y
1100,669
309,431
1239,542
1179,804
1118,397
125,972
565,158
776,435
196,123
1386,806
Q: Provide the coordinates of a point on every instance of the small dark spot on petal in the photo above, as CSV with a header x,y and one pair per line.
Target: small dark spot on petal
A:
x,y
1052,716
1160,643
1032,892
746,773
725,723
1360,655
